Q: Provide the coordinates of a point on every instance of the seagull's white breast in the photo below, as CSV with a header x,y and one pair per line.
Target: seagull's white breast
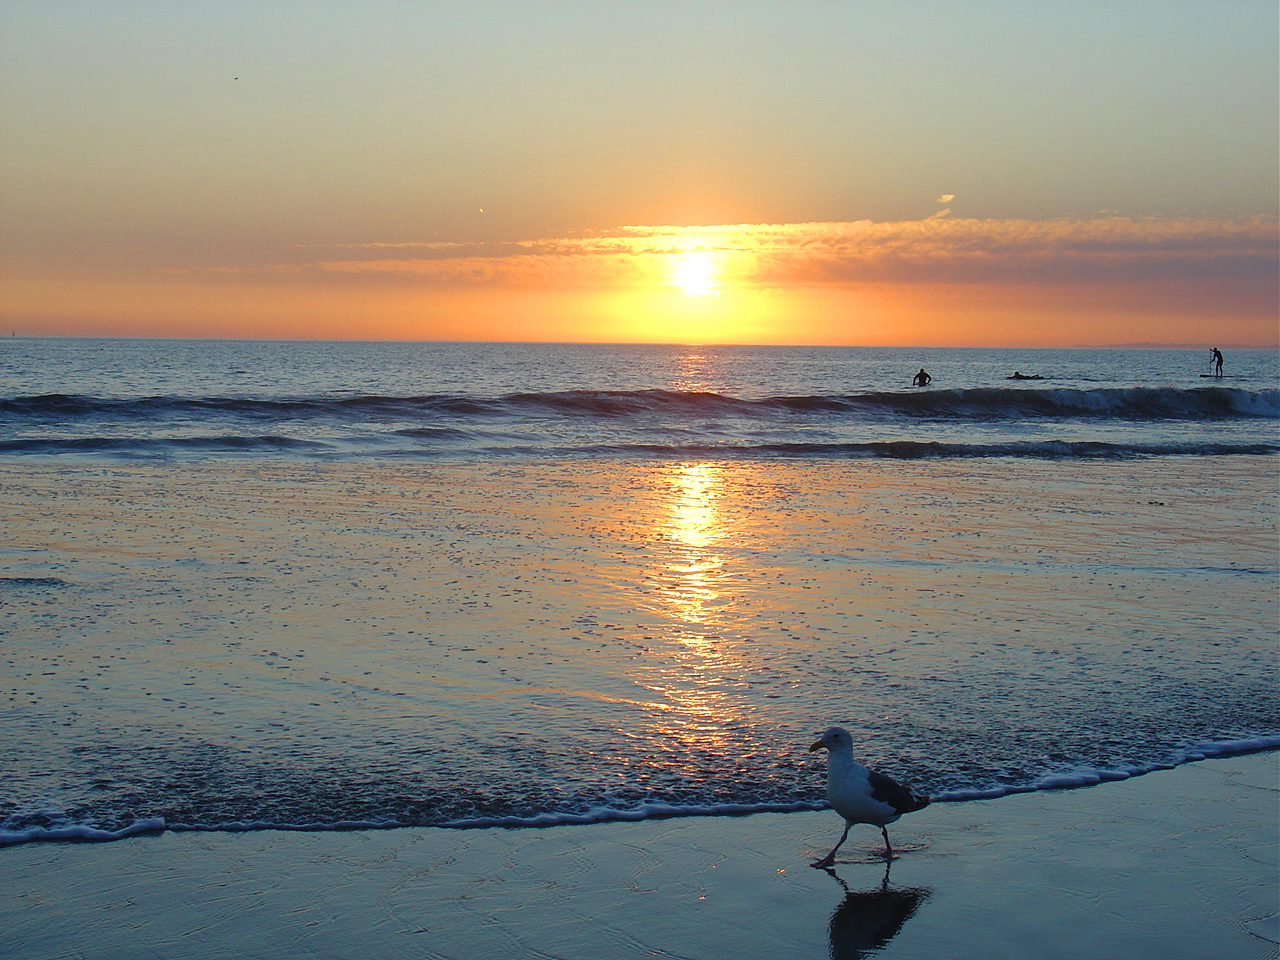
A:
x,y
849,793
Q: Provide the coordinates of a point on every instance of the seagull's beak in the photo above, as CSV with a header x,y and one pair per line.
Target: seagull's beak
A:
x,y
816,746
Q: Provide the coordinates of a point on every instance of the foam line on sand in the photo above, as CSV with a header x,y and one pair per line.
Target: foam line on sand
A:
x,y
1174,864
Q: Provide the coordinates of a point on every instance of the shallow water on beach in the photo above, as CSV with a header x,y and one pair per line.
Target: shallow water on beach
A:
x,y
292,645
267,639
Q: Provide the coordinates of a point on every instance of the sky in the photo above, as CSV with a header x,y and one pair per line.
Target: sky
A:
x,y
878,172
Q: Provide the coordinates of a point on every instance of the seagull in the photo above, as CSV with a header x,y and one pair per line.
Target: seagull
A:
x,y
861,795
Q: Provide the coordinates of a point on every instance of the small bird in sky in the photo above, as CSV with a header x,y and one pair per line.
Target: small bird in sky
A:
x,y
861,795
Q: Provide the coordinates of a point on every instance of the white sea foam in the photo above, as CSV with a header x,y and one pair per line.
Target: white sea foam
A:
x,y
79,833
1088,777
651,810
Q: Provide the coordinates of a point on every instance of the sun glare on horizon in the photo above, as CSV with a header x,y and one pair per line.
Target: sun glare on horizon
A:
x,y
696,274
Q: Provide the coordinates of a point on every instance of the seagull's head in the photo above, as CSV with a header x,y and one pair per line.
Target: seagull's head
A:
x,y
833,739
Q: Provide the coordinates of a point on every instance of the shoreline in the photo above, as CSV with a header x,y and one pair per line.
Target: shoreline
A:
x,y
1178,863
655,810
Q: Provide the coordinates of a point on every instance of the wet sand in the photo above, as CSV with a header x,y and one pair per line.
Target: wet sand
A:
x,y
1174,864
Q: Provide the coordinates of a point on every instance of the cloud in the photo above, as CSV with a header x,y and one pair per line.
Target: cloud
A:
x,y
937,249
946,198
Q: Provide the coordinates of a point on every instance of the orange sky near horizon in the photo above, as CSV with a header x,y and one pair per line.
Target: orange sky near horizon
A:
x,y
809,173
915,315
944,283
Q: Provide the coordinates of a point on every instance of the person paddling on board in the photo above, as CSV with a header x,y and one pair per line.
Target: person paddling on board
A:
x,y
921,379
1216,357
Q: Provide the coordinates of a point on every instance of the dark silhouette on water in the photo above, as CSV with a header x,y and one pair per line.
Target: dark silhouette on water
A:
x,y
921,379
1017,375
1216,356
866,920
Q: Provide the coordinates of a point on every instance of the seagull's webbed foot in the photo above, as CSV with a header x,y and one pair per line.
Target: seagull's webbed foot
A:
x,y
830,858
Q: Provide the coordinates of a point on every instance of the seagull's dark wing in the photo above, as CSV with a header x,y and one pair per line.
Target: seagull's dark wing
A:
x,y
887,790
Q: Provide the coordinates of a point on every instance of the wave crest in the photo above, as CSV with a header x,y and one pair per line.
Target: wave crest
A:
x,y
1129,403
57,826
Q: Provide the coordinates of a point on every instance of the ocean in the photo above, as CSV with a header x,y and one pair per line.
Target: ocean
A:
x,y
326,585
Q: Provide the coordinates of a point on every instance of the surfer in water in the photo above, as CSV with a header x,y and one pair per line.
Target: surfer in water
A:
x,y
921,379
1216,357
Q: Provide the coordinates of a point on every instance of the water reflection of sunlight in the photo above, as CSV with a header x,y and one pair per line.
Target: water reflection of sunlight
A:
x,y
694,680
693,372
691,581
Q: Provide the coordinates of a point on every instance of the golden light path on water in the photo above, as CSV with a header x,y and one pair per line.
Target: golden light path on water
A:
x,y
697,568
694,572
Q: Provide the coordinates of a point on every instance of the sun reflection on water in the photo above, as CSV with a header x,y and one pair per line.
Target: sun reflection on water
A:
x,y
692,576
694,371
696,678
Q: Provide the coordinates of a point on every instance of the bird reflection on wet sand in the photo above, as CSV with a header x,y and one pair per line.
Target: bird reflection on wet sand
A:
x,y
866,920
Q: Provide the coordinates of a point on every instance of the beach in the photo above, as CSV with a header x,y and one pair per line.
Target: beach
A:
x,y
1177,865
419,670
457,458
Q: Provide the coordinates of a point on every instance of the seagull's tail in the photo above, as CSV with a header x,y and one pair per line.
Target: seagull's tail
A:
x,y
918,801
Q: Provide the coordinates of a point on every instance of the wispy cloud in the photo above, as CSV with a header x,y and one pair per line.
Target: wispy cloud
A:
x,y
937,249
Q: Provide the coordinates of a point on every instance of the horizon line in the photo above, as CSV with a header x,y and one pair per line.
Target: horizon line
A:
x,y
1142,345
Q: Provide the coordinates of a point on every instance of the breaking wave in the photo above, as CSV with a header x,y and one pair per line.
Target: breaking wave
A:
x,y
56,825
1024,422
1130,403
439,442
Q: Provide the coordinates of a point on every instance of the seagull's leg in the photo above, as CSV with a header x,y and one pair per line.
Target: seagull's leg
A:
x,y
830,858
888,850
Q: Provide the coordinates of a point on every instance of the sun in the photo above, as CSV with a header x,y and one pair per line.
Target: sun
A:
x,y
696,274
